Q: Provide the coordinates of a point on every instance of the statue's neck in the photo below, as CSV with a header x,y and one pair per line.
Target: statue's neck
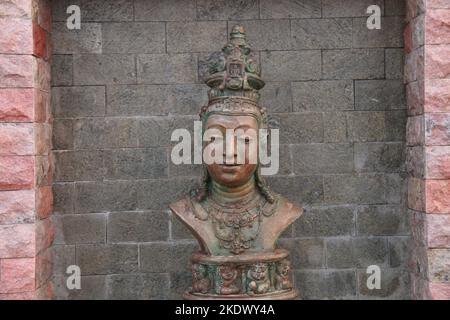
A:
x,y
229,195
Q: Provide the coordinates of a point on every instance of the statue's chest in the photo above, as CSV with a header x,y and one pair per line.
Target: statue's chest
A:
x,y
233,230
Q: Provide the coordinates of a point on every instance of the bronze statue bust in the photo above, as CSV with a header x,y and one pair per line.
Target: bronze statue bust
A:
x,y
234,216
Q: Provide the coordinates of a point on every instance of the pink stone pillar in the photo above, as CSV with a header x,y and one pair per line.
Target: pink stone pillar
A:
x,y
427,77
26,233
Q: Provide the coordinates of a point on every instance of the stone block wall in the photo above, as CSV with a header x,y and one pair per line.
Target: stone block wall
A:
x,y
134,72
427,75
26,231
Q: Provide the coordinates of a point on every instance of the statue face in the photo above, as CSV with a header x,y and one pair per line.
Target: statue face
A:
x,y
234,174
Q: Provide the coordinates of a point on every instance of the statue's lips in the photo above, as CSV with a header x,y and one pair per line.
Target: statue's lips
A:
x,y
230,167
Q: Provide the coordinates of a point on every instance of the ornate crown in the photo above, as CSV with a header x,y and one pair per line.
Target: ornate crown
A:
x,y
234,72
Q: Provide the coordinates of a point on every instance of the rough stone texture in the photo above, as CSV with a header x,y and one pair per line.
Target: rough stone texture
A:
x,y
428,161
121,86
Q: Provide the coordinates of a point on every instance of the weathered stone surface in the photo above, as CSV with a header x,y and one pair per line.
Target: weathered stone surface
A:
x,y
227,10
437,199
360,189
17,139
390,34
379,94
335,127
155,10
71,102
155,99
133,37
86,228
97,10
325,222
396,188
414,65
399,251
144,226
309,96
395,124
107,259
273,9
326,284
43,168
16,105
16,172
42,106
195,36
16,71
415,162
266,34
321,33
129,164
16,36
41,74
149,286
17,240
437,95
395,7
104,69
44,202
436,129
299,128
92,288
416,194
45,234
153,193
381,220
167,68
440,290
439,265
322,158
107,196
63,197
359,252
353,64
379,157
44,272
291,65
394,63
62,134
366,126
166,257
348,8
394,285
16,8
415,131
437,162
62,72
303,190
305,253
63,257
438,230
81,165
17,207
437,62
277,96
87,39
153,132
17,275
437,28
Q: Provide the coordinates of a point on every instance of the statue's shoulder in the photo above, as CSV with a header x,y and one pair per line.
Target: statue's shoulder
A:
x,y
182,207
287,210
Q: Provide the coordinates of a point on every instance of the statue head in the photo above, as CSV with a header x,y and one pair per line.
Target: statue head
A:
x,y
234,81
